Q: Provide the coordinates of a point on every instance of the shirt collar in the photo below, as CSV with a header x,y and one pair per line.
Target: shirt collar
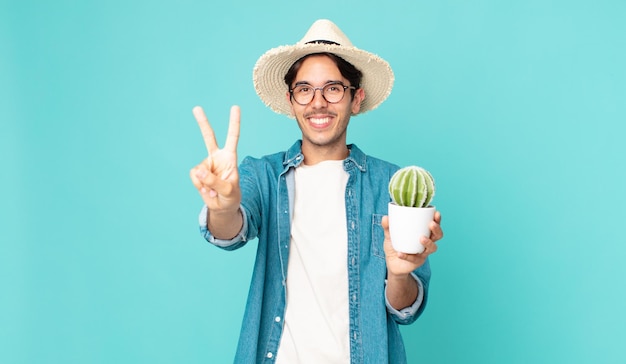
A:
x,y
294,156
356,157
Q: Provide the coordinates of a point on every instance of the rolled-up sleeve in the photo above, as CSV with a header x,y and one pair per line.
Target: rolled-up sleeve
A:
x,y
231,244
409,314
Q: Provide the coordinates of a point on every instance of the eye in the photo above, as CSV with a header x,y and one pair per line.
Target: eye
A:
x,y
333,88
303,89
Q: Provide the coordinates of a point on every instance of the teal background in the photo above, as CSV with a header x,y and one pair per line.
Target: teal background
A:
x,y
516,107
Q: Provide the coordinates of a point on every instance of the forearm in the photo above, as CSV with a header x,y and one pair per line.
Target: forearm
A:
x,y
402,290
224,224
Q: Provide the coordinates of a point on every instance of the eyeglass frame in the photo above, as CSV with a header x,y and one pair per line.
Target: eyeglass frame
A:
x,y
334,83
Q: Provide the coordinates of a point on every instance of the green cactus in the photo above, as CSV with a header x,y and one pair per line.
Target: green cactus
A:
x,y
412,186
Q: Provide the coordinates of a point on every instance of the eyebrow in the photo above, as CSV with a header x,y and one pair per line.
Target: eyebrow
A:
x,y
309,84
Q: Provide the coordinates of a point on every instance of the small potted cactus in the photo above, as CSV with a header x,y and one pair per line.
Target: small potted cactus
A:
x,y
410,213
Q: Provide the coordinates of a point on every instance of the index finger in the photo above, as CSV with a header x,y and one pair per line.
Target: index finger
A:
x,y
205,129
233,129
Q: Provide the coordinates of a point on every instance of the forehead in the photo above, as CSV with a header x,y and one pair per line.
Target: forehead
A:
x,y
318,69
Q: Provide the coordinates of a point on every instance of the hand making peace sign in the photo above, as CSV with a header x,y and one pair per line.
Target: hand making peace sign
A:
x,y
217,177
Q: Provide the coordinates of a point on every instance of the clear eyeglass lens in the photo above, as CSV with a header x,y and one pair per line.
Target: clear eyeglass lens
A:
x,y
303,94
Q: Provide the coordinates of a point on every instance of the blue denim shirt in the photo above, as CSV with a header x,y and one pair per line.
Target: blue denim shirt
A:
x,y
267,187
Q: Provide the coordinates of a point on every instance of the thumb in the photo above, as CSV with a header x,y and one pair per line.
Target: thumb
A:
x,y
384,222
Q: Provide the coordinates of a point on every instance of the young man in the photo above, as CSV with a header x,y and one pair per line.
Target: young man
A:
x,y
327,286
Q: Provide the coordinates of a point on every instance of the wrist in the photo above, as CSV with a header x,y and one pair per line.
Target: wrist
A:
x,y
225,213
398,278
225,224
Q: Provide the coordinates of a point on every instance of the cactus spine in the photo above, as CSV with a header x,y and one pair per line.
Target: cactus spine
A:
x,y
412,186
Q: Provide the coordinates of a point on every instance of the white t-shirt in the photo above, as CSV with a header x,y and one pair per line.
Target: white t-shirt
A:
x,y
317,320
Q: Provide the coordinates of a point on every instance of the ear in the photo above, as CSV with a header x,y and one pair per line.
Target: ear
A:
x,y
288,97
359,96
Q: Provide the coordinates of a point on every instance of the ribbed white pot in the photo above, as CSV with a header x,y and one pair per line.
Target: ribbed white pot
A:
x,y
407,225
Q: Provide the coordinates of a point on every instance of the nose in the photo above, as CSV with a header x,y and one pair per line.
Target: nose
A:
x,y
318,100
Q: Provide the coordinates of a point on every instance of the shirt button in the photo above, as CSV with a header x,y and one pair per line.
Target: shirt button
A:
x,y
277,319
269,355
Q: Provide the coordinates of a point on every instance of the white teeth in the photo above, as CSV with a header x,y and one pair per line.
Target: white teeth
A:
x,y
318,121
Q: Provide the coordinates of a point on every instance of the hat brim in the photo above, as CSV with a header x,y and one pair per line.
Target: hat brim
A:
x,y
269,73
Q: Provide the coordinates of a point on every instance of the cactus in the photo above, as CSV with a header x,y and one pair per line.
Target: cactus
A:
x,y
412,186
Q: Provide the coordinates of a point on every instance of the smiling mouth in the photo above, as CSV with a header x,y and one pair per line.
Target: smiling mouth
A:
x,y
319,121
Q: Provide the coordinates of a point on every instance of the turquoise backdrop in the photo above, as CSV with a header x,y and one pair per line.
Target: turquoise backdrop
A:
x,y
518,108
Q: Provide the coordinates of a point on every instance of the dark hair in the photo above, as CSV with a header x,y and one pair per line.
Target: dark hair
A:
x,y
347,70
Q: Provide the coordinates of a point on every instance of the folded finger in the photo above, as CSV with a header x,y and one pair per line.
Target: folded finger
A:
x,y
435,231
429,245
193,175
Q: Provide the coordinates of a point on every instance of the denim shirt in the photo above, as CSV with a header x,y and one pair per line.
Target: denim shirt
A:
x,y
267,188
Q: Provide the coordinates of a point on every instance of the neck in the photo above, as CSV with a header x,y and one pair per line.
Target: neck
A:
x,y
314,154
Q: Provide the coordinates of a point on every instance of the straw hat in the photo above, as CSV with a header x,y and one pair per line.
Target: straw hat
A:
x,y
269,71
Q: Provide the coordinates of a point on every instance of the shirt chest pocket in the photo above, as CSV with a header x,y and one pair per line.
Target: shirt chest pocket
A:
x,y
378,236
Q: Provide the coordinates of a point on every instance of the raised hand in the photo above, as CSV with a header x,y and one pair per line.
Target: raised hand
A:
x,y
217,177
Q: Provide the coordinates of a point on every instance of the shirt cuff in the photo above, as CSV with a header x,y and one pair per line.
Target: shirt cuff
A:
x,y
204,230
407,312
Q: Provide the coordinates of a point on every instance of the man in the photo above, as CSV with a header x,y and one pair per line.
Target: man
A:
x,y
327,286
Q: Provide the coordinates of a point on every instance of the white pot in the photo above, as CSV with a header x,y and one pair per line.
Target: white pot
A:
x,y
407,225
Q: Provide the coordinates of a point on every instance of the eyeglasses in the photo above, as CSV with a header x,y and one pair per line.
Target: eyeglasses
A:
x,y
332,92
